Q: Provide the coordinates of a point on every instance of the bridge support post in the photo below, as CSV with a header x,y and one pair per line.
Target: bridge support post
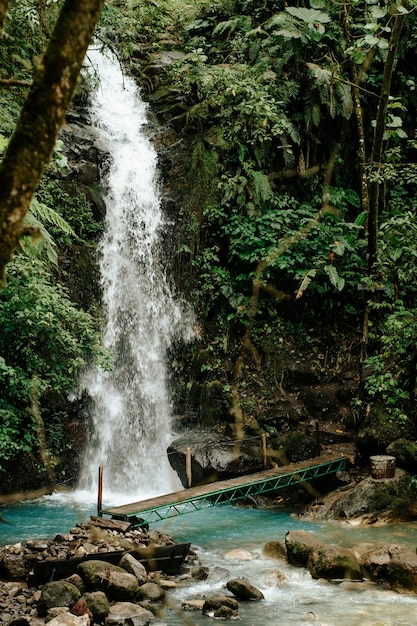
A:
x,y
100,491
264,456
188,471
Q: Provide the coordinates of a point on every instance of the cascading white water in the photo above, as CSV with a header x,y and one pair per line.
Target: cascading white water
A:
x,y
131,404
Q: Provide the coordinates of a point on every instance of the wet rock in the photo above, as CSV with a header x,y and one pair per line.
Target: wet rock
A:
x,y
243,589
402,568
334,563
103,576
274,550
192,605
57,593
300,544
239,555
225,612
214,603
128,614
374,564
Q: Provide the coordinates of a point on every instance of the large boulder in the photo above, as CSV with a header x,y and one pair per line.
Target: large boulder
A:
x,y
133,566
128,614
213,456
402,568
334,563
115,581
57,593
391,563
300,544
243,589
374,564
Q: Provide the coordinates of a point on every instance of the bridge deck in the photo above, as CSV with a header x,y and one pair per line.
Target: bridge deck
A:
x,y
226,491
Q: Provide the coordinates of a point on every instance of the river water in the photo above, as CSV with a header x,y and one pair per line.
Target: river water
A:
x,y
291,595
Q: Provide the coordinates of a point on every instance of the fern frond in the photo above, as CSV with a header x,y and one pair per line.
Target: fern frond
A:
x,y
241,22
45,214
337,281
36,247
305,283
344,95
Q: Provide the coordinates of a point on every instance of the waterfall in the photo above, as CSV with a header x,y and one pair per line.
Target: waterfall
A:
x,y
131,406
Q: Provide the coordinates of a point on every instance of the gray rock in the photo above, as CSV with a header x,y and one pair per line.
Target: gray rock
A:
x,y
243,589
151,592
13,566
133,566
128,614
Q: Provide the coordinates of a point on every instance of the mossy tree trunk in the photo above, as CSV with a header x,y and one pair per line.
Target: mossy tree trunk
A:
x,y
43,114
377,147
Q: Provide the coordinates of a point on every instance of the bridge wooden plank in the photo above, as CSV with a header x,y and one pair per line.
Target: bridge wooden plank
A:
x,y
195,493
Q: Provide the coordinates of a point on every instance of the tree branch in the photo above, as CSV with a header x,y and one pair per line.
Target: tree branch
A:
x,y
43,114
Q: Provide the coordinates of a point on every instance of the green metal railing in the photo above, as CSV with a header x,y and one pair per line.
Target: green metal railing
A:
x,y
228,494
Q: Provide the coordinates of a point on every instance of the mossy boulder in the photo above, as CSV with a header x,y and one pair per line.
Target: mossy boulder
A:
x,y
115,581
57,593
300,544
334,563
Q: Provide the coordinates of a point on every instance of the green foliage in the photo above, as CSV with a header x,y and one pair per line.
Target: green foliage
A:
x,y
44,337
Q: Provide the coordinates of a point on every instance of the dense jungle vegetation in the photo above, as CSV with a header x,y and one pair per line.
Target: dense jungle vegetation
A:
x,y
295,186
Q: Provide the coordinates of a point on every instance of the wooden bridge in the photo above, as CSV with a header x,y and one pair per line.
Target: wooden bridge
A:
x,y
226,491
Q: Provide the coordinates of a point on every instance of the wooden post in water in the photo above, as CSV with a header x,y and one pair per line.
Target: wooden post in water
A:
x,y
188,471
264,450
100,491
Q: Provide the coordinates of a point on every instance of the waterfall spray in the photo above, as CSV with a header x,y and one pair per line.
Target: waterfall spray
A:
x,y
131,406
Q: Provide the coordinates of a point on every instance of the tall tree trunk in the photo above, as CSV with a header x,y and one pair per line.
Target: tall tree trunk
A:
x,y
43,114
3,11
376,156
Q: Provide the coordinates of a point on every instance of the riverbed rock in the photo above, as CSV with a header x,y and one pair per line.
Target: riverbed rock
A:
x,y
132,566
12,566
243,589
67,619
274,550
392,563
151,592
240,554
57,593
115,581
300,544
334,563
214,602
98,604
128,614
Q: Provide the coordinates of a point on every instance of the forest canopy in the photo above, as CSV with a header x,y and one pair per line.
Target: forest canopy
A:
x,y
296,202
